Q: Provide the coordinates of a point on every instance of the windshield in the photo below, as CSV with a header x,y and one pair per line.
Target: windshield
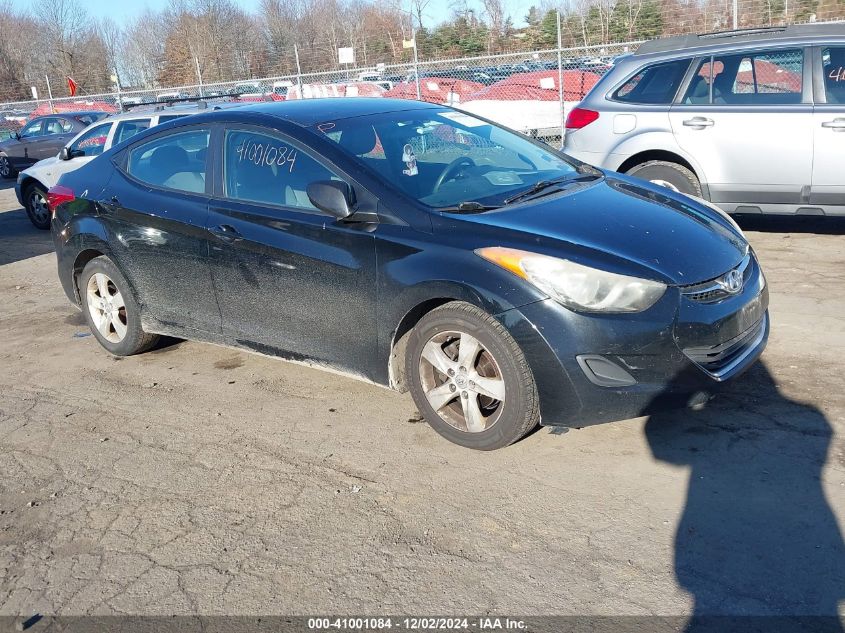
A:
x,y
445,158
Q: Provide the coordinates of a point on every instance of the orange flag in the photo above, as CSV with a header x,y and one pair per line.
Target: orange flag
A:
x,y
71,86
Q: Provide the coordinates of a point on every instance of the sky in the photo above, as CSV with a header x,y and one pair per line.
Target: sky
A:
x,y
123,10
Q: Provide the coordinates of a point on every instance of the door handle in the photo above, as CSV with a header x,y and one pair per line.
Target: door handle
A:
x,y
837,125
227,233
699,122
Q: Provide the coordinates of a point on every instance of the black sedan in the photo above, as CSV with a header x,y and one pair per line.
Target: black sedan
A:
x,y
418,247
41,138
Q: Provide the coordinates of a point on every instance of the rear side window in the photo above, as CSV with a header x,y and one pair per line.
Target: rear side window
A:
x,y
164,118
53,126
88,119
266,169
92,142
833,71
128,129
175,161
653,85
766,78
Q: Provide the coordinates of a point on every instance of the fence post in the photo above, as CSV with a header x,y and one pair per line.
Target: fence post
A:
x,y
117,85
560,78
736,16
298,72
416,64
199,74
50,94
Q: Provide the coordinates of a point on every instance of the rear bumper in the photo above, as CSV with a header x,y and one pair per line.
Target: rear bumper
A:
x,y
676,354
18,192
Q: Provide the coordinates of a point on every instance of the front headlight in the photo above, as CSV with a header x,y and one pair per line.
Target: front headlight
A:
x,y
575,286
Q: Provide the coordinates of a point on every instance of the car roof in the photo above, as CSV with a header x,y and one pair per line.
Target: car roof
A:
x,y
308,112
770,35
74,113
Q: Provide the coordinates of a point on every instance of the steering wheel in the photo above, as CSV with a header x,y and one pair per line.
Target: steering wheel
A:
x,y
451,171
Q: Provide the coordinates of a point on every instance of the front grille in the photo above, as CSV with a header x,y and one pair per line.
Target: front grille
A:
x,y
718,360
716,290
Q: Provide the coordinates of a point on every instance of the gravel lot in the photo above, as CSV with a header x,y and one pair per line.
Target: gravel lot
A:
x,y
199,479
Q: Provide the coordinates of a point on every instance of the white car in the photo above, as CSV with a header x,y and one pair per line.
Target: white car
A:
x,y
34,182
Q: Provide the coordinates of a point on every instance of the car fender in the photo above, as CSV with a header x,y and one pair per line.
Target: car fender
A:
x,y
87,235
413,284
655,140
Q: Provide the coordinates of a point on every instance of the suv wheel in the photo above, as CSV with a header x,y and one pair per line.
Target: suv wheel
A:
x,y
35,202
670,175
470,379
111,310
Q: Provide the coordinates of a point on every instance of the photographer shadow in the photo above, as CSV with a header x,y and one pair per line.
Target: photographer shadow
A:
x,y
757,536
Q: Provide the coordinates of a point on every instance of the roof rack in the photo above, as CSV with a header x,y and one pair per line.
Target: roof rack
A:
x,y
202,102
762,34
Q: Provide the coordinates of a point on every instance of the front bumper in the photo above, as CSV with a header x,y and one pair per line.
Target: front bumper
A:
x,y
18,192
674,354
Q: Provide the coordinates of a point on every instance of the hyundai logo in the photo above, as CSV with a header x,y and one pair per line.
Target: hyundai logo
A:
x,y
732,282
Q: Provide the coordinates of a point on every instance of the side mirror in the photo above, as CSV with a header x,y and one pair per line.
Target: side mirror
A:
x,y
18,135
64,153
332,196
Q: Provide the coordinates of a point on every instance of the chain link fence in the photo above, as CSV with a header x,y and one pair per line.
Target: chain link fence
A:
x,y
531,92
527,91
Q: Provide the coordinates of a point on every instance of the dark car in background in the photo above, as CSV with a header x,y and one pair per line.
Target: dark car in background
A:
x,y
417,247
41,138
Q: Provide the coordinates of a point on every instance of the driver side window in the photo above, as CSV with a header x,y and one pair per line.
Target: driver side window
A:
x,y
267,169
33,129
92,142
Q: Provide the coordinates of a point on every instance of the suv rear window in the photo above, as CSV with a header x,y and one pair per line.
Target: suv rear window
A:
x,y
769,78
653,85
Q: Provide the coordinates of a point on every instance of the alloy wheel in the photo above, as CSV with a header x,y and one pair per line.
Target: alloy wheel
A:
x,y
106,307
5,168
462,381
38,207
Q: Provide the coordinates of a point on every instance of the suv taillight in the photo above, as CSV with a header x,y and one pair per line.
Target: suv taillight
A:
x,y
580,117
57,195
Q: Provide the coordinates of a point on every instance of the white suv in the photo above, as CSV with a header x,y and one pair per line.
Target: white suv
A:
x,y
33,183
753,121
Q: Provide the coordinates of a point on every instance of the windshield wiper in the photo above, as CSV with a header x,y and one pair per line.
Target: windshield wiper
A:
x,y
468,207
543,185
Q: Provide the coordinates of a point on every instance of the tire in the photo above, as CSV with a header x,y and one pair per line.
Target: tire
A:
x,y
6,169
35,203
120,331
670,175
464,414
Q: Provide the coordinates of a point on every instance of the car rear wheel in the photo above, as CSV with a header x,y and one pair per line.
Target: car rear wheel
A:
x,y
35,202
670,175
6,170
111,310
470,379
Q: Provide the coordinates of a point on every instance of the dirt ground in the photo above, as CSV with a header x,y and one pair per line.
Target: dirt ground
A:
x,y
198,479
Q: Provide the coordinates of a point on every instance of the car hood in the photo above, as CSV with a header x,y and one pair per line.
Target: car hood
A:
x,y
8,143
46,162
621,225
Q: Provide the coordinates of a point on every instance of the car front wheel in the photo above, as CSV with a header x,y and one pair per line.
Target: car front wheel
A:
x,y
470,379
670,175
111,310
35,201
